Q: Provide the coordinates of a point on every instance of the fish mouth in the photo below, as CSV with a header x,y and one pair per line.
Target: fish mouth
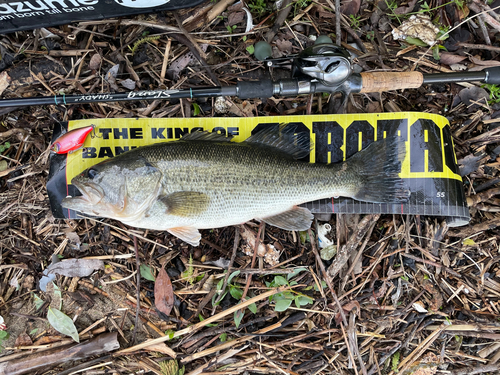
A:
x,y
92,195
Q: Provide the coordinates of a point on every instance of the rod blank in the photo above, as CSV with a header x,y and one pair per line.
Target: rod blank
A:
x,y
371,82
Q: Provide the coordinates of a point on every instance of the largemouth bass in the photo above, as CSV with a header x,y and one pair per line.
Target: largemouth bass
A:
x,y
206,181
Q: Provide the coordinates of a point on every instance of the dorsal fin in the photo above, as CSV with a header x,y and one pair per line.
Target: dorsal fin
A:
x,y
284,138
206,136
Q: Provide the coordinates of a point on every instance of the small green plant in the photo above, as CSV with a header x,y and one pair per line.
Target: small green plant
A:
x,y
171,368
250,49
209,324
196,109
231,29
494,91
189,271
299,5
435,51
461,4
391,4
146,272
355,21
258,7
370,35
236,292
425,8
395,361
391,7
142,41
170,333
4,147
284,299
4,336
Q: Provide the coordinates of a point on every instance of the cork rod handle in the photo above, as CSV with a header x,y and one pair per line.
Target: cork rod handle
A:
x,y
386,81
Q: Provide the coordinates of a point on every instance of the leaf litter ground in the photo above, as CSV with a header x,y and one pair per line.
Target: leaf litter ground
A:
x,y
417,297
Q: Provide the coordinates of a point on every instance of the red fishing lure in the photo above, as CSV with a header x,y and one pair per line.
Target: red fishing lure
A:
x,y
72,140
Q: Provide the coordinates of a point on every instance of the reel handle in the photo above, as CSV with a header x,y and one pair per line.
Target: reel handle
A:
x,y
387,81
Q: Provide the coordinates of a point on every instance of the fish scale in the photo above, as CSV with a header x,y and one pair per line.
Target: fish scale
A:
x,y
205,181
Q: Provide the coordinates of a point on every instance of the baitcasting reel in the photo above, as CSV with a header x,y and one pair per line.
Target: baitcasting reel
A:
x,y
325,62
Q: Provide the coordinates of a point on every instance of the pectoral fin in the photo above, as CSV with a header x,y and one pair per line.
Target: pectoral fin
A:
x,y
188,234
185,203
297,218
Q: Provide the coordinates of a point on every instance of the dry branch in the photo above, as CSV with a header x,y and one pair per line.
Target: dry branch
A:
x,y
346,250
29,364
203,323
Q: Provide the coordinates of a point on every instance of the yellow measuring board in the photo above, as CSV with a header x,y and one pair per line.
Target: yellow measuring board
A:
x,y
346,134
429,169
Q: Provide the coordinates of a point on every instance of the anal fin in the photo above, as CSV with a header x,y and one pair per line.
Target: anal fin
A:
x,y
188,234
297,218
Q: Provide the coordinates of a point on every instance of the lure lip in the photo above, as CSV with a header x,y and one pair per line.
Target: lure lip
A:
x,y
55,147
72,140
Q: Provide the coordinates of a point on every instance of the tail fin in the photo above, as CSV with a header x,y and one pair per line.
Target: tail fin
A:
x,y
379,165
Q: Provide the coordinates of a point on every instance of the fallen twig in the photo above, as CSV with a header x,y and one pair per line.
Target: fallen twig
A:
x,y
32,363
203,323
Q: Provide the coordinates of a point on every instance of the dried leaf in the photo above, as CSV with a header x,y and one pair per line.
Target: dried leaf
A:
x,y
436,297
62,323
469,164
112,73
458,67
348,307
164,293
72,237
221,262
450,58
181,63
76,267
456,37
23,340
405,9
46,278
350,7
427,365
47,340
474,93
4,81
235,18
161,348
128,84
419,307
284,45
95,61
484,63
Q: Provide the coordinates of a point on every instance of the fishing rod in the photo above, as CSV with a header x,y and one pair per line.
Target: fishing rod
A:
x,y
321,68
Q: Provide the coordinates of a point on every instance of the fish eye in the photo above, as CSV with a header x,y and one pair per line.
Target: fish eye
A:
x,y
92,173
